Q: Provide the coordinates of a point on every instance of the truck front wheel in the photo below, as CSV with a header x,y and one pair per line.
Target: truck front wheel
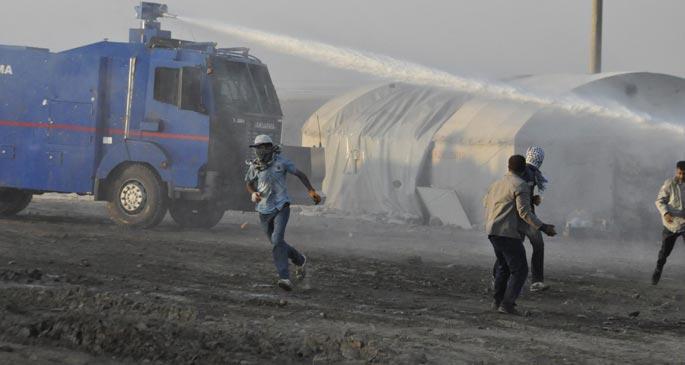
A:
x,y
196,214
138,198
13,201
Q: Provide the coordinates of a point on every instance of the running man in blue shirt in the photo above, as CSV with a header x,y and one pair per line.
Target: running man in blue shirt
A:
x,y
266,183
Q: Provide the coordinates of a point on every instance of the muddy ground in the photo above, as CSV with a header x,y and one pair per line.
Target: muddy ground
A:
x,y
77,289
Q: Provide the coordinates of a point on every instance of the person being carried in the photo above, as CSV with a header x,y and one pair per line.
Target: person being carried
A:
x,y
533,176
266,183
669,202
508,214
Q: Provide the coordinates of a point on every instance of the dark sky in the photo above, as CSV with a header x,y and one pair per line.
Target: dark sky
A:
x,y
489,38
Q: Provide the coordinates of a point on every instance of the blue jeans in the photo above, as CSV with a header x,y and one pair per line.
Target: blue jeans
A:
x,y
511,269
274,226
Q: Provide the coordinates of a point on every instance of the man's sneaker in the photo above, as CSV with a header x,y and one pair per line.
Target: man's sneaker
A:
x,y
509,309
495,305
285,284
301,271
538,286
656,276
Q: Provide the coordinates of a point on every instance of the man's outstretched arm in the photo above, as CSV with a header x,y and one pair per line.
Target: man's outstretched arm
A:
x,y
526,212
305,181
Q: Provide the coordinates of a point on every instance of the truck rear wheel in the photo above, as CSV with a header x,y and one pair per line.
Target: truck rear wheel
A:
x,y
138,198
13,201
196,214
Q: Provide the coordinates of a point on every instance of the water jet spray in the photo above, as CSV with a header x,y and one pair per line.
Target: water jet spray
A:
x,y
399,70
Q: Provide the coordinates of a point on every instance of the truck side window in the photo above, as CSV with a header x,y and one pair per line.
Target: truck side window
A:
x,y
166,85
191,89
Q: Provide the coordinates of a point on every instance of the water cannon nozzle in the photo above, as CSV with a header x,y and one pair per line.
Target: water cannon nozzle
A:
x,y
172,16
149,12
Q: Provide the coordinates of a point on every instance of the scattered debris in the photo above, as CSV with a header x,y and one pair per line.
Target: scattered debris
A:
x,y
26,276
13,308
207,301
35,274
414,260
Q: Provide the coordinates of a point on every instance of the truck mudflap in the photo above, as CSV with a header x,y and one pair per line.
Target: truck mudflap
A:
x,y
213,189
212,185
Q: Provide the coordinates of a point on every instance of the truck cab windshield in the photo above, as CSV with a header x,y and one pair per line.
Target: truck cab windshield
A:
x,y
245,88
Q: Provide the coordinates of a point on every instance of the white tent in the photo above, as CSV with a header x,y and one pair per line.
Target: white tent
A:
x,y
376,139
384,141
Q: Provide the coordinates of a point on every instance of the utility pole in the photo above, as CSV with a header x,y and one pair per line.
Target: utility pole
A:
x,y
596,37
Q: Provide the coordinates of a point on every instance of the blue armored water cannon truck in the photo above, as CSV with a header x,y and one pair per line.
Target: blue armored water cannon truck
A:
x,y
150,125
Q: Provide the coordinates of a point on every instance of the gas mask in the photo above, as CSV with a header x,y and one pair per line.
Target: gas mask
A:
x,y
264,153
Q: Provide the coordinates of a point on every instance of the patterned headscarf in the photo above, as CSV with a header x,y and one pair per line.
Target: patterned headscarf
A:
x,y
535,155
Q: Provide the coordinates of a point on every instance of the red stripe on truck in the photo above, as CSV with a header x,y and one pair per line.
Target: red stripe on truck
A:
x,y
120,132
189,137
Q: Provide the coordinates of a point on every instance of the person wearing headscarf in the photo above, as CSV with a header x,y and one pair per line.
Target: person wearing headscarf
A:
x,y
534,158
535,155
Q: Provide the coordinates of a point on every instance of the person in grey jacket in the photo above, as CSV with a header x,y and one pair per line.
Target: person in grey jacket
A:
x,y
507,216
533,176
669,202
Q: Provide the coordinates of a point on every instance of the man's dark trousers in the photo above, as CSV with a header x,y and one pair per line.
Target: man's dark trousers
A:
x,y
511,269
537,259
668,239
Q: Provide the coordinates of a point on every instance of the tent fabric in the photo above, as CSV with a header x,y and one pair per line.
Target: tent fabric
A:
x,y
329,116
596,165
376,144
382,142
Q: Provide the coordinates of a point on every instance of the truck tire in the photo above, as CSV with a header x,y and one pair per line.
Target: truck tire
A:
x,y
196,214
137,198
13,201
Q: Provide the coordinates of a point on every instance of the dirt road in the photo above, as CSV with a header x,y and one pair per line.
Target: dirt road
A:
x,y
76,289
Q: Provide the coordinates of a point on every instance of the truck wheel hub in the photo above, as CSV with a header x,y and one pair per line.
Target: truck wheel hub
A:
x,y
132,197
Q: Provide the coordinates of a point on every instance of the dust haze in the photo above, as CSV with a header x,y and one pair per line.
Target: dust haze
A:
x,y
402,96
